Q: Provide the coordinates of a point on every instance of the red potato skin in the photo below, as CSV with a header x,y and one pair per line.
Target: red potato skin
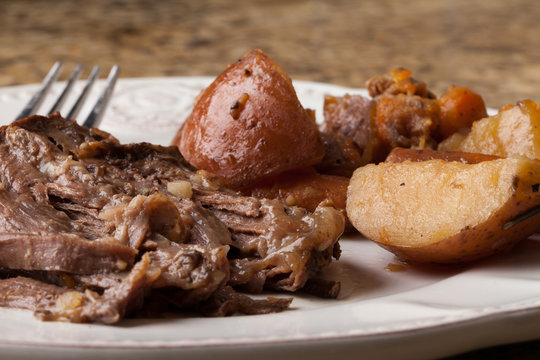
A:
x,y
478,242
249,124
399,154
474,243
403,154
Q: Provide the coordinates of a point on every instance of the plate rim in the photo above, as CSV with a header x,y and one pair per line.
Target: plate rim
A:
x,y
358,338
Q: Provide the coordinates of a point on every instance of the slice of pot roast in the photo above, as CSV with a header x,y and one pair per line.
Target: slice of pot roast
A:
x,y
90,228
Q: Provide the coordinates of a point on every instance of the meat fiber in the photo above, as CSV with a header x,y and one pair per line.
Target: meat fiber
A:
x,y
92,230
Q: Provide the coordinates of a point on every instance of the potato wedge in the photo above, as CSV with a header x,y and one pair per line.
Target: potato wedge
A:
x,y
515,130
445,212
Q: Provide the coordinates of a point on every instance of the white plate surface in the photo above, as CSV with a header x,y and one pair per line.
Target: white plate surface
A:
x,y
409,313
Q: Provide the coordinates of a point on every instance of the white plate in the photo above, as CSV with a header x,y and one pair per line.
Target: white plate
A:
x,y
414,313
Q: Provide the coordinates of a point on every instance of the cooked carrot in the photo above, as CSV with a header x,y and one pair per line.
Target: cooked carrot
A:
x,y
302,187
460,107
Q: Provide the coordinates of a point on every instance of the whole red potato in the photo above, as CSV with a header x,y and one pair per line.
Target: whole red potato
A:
x,y
249,124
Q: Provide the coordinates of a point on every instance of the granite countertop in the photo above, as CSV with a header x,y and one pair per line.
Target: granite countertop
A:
x,y
493,47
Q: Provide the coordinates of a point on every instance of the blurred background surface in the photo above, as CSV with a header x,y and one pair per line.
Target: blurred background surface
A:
x,y
491,46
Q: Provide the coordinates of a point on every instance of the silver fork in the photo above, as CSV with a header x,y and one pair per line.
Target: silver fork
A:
x,y
95,115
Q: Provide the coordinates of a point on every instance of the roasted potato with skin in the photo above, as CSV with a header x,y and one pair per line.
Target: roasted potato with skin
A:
x,y
515,130
445,212
403,154
249,124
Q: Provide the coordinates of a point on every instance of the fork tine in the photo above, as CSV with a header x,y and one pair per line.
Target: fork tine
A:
x,y
37,99
60,101
80,101
98,110
96,113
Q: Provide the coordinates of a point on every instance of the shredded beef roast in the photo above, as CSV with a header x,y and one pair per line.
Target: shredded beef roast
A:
x,y
92,230
400,112
348,133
